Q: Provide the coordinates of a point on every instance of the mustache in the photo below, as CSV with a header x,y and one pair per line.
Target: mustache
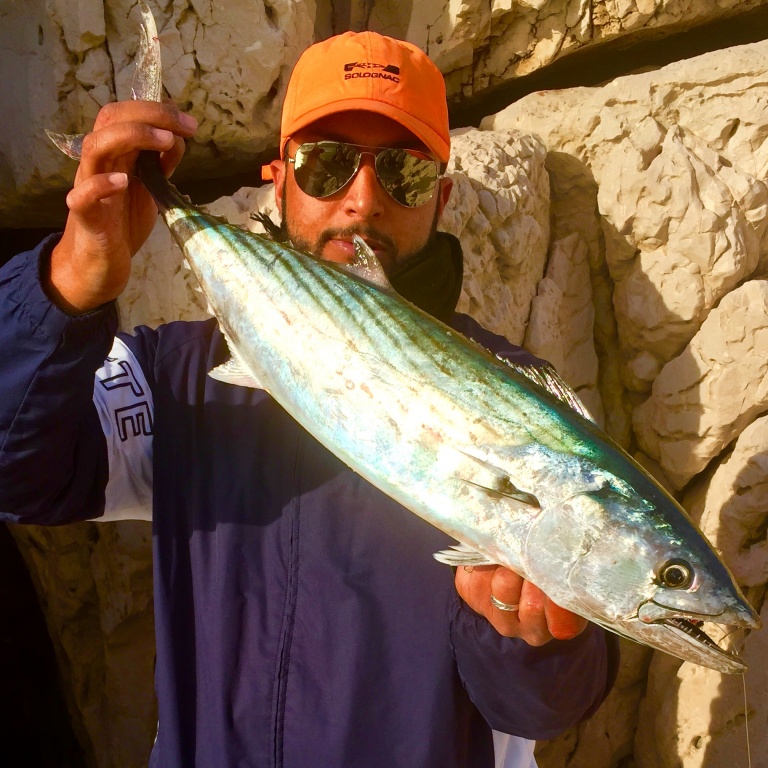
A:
x,y
347,233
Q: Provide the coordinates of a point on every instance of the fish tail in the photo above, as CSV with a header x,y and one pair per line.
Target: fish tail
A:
x,y
71,144
148,75
147,81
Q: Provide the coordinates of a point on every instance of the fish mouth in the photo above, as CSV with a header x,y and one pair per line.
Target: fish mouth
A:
x,y
685,639
377,246
693,633
683,634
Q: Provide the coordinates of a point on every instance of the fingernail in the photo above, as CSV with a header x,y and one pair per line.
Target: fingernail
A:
x,y
118,179
162,135
187,122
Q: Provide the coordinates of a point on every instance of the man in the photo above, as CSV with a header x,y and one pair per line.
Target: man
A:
x,y
300,617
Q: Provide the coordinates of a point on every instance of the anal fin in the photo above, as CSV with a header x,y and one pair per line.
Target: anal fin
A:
x,y
461,554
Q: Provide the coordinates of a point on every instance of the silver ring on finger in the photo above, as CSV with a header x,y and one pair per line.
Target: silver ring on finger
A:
x,y
504,606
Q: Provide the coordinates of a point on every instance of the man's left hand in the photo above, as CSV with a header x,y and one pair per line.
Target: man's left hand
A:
x,y
537,619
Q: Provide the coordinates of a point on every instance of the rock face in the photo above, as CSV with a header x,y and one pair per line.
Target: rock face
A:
x,y
228,61
704,398
225,62
618,231
679,194
681,200
95,585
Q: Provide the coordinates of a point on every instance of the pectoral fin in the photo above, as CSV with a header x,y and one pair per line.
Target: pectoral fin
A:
x,y
235,372
499,483
506,487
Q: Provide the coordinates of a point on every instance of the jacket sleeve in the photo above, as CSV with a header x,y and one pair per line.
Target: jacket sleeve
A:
x,y
53,454
535,693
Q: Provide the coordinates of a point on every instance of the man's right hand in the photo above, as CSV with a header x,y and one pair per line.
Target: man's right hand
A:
x,y
110,211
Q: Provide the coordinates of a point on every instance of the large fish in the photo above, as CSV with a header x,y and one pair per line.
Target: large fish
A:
x,y
502,458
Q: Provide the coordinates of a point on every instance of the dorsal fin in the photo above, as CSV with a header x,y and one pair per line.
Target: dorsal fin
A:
x,y
548,378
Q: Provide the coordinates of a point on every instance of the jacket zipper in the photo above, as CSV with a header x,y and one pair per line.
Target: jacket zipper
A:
x,y
289,614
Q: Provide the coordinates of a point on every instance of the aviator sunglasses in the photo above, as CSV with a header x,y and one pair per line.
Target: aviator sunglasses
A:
x,y
322,168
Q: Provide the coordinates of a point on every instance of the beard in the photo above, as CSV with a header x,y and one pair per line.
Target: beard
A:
x,y
398,261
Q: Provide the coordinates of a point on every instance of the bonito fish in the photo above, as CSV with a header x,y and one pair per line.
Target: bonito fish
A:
x,y
502,458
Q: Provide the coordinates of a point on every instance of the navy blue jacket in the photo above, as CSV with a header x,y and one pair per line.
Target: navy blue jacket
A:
x,y
301,619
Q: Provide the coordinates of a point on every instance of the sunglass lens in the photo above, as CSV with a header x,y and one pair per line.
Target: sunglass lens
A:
x,y
408,176
324,167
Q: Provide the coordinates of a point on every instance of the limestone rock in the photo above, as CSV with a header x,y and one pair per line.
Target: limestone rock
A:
x,y
161,289
94,582
682,205
561,325
574,213
692,238
706,396
693,717
225,62
480,44
499,210
730,505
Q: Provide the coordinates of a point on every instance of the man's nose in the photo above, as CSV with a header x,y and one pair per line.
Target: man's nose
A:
x,y
365,197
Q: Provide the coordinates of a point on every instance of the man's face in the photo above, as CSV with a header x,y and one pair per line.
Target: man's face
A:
x,y
325,227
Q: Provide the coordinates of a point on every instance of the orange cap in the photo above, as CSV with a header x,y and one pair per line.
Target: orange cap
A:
x,y
370,72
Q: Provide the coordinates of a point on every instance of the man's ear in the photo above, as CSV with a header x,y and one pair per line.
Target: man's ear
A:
x,y
277,169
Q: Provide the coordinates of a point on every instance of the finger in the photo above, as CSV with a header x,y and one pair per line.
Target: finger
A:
x,y
532,615
478,585
82,198
562,623
506,586
116,147
506,589
162,115
170,159
473,584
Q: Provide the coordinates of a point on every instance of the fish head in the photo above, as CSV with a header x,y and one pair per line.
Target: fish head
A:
x,y
638,566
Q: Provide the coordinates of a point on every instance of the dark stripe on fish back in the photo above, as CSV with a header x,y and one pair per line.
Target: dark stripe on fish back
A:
x,y
377,316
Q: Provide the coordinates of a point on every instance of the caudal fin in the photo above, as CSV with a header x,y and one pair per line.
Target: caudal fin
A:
x,y
147,81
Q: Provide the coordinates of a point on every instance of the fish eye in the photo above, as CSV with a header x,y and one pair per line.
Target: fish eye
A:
x,y
676,574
